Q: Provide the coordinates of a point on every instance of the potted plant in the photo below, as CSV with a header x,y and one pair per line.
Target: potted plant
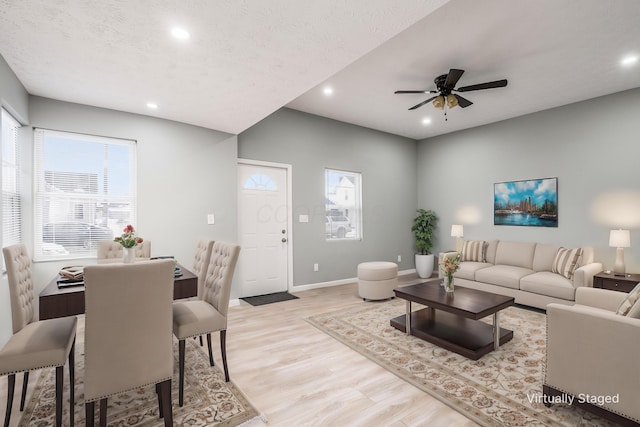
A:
x,y
423,227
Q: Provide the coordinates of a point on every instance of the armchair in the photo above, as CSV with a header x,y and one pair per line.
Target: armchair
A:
x,y
592,356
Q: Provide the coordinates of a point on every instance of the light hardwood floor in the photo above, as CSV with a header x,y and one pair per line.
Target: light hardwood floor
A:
x,y
298,376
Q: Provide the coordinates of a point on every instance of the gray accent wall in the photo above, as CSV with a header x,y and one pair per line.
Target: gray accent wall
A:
x,y
592,147
310,144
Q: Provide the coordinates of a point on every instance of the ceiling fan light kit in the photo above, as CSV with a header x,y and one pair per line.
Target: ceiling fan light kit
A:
x,y
445,84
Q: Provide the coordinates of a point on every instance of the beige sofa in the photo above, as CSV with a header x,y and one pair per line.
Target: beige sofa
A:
x,y
592,354
523,270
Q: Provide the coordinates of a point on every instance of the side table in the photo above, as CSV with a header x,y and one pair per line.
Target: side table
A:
x,y
615,283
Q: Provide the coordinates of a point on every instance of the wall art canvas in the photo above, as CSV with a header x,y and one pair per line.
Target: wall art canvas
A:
x,y
532,202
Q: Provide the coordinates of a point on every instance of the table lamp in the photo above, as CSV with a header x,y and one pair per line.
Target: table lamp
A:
x,y
457,231
619,239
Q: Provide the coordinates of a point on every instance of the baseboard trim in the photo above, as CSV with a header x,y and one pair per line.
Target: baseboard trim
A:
x,y
318,285
301,288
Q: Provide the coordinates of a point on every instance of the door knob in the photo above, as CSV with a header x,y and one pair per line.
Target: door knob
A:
x,y
284,240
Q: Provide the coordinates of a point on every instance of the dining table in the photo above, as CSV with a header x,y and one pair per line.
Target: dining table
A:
x,y
61,301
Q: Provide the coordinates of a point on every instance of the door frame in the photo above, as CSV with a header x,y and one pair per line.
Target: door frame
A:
x,y
288,169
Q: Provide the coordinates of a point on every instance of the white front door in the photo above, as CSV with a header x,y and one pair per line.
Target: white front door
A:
x,y
263,222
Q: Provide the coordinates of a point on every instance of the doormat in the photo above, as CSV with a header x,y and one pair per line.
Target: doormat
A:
x,y
269,298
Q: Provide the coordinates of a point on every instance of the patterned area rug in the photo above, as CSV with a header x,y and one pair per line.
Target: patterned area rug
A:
x,y
503,388
208,399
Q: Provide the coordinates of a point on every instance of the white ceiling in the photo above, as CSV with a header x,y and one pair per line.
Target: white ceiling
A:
x,y
246,59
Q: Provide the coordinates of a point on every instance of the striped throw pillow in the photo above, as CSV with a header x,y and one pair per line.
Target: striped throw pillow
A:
x,y
630,301
566,261
473,250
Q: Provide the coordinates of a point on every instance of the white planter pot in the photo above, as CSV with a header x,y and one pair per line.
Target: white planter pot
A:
x,y
424,265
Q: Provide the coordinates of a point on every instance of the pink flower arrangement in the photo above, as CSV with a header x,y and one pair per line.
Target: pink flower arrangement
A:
x,y
128,238
450,266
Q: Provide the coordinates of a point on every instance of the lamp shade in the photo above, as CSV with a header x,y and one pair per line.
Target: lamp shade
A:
x,y
457,230
619,239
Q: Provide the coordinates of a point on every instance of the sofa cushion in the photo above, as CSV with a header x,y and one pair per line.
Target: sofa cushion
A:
x,y
544,256
550,284
502,275
468,269
629,301
517,254
490,252
566,261
473,250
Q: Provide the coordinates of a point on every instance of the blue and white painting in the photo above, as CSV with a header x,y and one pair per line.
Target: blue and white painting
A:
x,y
533,202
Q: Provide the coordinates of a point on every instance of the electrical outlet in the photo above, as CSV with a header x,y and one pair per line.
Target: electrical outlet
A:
x,y
399,258
315,267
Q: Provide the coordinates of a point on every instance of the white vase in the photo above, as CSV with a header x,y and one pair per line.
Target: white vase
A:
x,y
424,265
128,255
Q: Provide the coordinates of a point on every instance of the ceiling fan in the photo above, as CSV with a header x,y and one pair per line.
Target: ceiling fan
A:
x,y
445,86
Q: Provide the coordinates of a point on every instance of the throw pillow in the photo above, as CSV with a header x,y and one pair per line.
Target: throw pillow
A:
x,y
628,303
634,312
566,261
473,250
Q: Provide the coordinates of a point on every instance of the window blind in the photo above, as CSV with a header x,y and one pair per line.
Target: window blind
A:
x,y
11,198
85,192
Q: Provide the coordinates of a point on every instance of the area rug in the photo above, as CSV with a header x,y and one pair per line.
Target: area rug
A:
x,y
503,388
208,399
269,298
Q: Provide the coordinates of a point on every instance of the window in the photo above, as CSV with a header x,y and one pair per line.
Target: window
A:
x,y
85,191
11,203
343,205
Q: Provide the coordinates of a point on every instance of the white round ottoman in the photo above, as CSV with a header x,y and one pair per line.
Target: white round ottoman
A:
x,y
377,280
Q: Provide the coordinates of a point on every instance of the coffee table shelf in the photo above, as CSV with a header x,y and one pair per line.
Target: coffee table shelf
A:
x,y
468,337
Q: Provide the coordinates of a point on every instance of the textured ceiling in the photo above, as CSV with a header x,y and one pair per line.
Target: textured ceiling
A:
x,y
245,59
552,52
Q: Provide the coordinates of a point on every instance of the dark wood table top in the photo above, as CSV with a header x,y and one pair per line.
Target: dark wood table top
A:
x,y
69,301
465,302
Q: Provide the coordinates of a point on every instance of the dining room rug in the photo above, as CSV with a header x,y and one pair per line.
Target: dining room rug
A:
x,y
208,399
503,388
269,298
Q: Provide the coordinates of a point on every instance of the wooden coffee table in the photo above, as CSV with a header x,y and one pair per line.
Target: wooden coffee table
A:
x,y
451,320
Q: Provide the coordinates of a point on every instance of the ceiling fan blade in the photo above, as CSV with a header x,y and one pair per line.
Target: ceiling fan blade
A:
x,y
452,78
463,102
480,86
415,91
422,103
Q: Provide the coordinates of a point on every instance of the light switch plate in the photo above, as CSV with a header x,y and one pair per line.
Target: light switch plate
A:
x,y
303,218
211,219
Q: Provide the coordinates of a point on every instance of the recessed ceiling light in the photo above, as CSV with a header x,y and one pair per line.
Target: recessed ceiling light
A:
x,y
328,90
629,60
152,105
426,121
180,33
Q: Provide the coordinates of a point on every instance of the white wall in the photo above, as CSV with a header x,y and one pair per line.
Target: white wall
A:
x,y
593,147
184,173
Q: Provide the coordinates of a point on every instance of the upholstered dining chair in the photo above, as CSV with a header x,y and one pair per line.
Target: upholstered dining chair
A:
x,y
128,338
200,264
201,261
34,344
110,250
208,313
